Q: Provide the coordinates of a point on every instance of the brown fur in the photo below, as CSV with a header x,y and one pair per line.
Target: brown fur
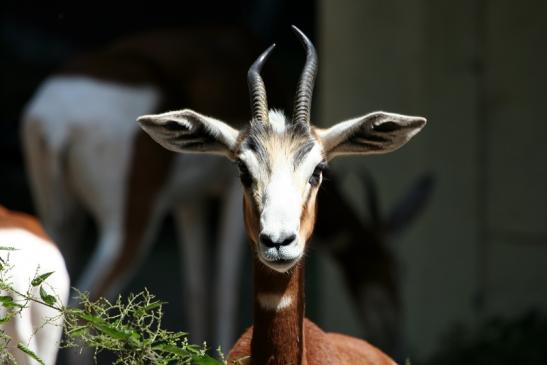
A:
x,y
320,348
11,219
307,218
250,215
280,332
277,340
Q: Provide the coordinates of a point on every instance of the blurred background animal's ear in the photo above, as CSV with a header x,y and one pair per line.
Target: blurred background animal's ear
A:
x,y
410,205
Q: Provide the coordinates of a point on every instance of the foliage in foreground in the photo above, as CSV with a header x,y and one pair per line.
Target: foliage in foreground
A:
x,y
130,329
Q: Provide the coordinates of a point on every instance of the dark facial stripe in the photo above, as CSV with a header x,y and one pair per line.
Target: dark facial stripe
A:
x,y
302,153
254,145
258,134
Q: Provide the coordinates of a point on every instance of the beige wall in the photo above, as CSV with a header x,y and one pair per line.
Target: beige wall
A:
x,y
485,229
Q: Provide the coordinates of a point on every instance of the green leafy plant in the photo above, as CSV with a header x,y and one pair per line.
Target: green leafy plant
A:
x,y
130,329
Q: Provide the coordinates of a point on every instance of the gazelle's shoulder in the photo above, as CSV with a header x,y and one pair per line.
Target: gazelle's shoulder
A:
x,y
356,351
241,352
317,346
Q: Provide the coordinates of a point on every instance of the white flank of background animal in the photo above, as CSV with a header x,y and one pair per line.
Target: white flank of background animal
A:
x,y
34,255
93,121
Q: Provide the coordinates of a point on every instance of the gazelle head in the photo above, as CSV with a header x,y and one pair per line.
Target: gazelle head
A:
x,y
281,159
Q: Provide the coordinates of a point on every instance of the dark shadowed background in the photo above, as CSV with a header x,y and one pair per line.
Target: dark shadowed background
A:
x,y
473,266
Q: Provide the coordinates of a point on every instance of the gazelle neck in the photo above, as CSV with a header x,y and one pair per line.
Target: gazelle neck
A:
x,y
278,316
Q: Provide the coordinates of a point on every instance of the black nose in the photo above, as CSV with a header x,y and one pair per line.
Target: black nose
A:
x,y
268,242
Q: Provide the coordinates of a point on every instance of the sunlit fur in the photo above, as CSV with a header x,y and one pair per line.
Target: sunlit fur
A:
x,y
38,326
281,201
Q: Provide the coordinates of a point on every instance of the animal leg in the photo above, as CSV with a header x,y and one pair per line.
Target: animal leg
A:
x,y
57,206
103,258
190,220
229,257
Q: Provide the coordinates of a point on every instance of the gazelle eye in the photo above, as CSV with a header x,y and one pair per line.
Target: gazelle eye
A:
x,y
244,174
315,177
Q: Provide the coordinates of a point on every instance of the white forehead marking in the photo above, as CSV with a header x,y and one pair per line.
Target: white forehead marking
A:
x,y
274,302
277,121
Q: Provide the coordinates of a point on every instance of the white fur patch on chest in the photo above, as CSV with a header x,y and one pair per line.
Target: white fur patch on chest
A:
x,y
274,302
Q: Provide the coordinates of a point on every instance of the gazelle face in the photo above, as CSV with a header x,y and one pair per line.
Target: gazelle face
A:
x,y
280,167
280,159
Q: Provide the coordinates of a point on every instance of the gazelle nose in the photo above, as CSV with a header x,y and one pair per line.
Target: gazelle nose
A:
x,y
282,241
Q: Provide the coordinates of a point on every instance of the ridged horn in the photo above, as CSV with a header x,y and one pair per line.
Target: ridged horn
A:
x,y
304,90
257,90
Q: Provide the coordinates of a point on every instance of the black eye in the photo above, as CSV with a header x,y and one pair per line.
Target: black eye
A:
x,y
315,178
244,174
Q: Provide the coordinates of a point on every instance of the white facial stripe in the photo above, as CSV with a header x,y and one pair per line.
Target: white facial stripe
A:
x,y
282,204
277,121
250,160
312,159
274,302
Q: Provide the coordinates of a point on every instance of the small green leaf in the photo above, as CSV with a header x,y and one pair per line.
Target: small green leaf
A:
x,y
78,331
8,302
40,279
135,338
152,306
195,349
30,353
7,248
172,349
49,299
111,330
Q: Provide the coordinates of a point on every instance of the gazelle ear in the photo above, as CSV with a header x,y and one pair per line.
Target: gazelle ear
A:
x,y
188,131
374,133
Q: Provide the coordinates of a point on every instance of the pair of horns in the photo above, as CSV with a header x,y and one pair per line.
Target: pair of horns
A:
x,y
304,90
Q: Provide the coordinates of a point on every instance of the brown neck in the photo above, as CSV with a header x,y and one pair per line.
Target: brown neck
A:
x,y
278,316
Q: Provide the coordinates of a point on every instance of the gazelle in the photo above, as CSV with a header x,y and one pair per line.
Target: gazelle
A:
x,y
38,326
281,162
364,251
